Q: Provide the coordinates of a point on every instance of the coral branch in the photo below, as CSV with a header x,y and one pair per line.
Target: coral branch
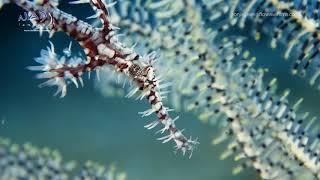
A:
x,y
220,83
29,162
292,23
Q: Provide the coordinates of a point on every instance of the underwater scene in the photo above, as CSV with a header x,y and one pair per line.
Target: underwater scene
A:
x,y
159,89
